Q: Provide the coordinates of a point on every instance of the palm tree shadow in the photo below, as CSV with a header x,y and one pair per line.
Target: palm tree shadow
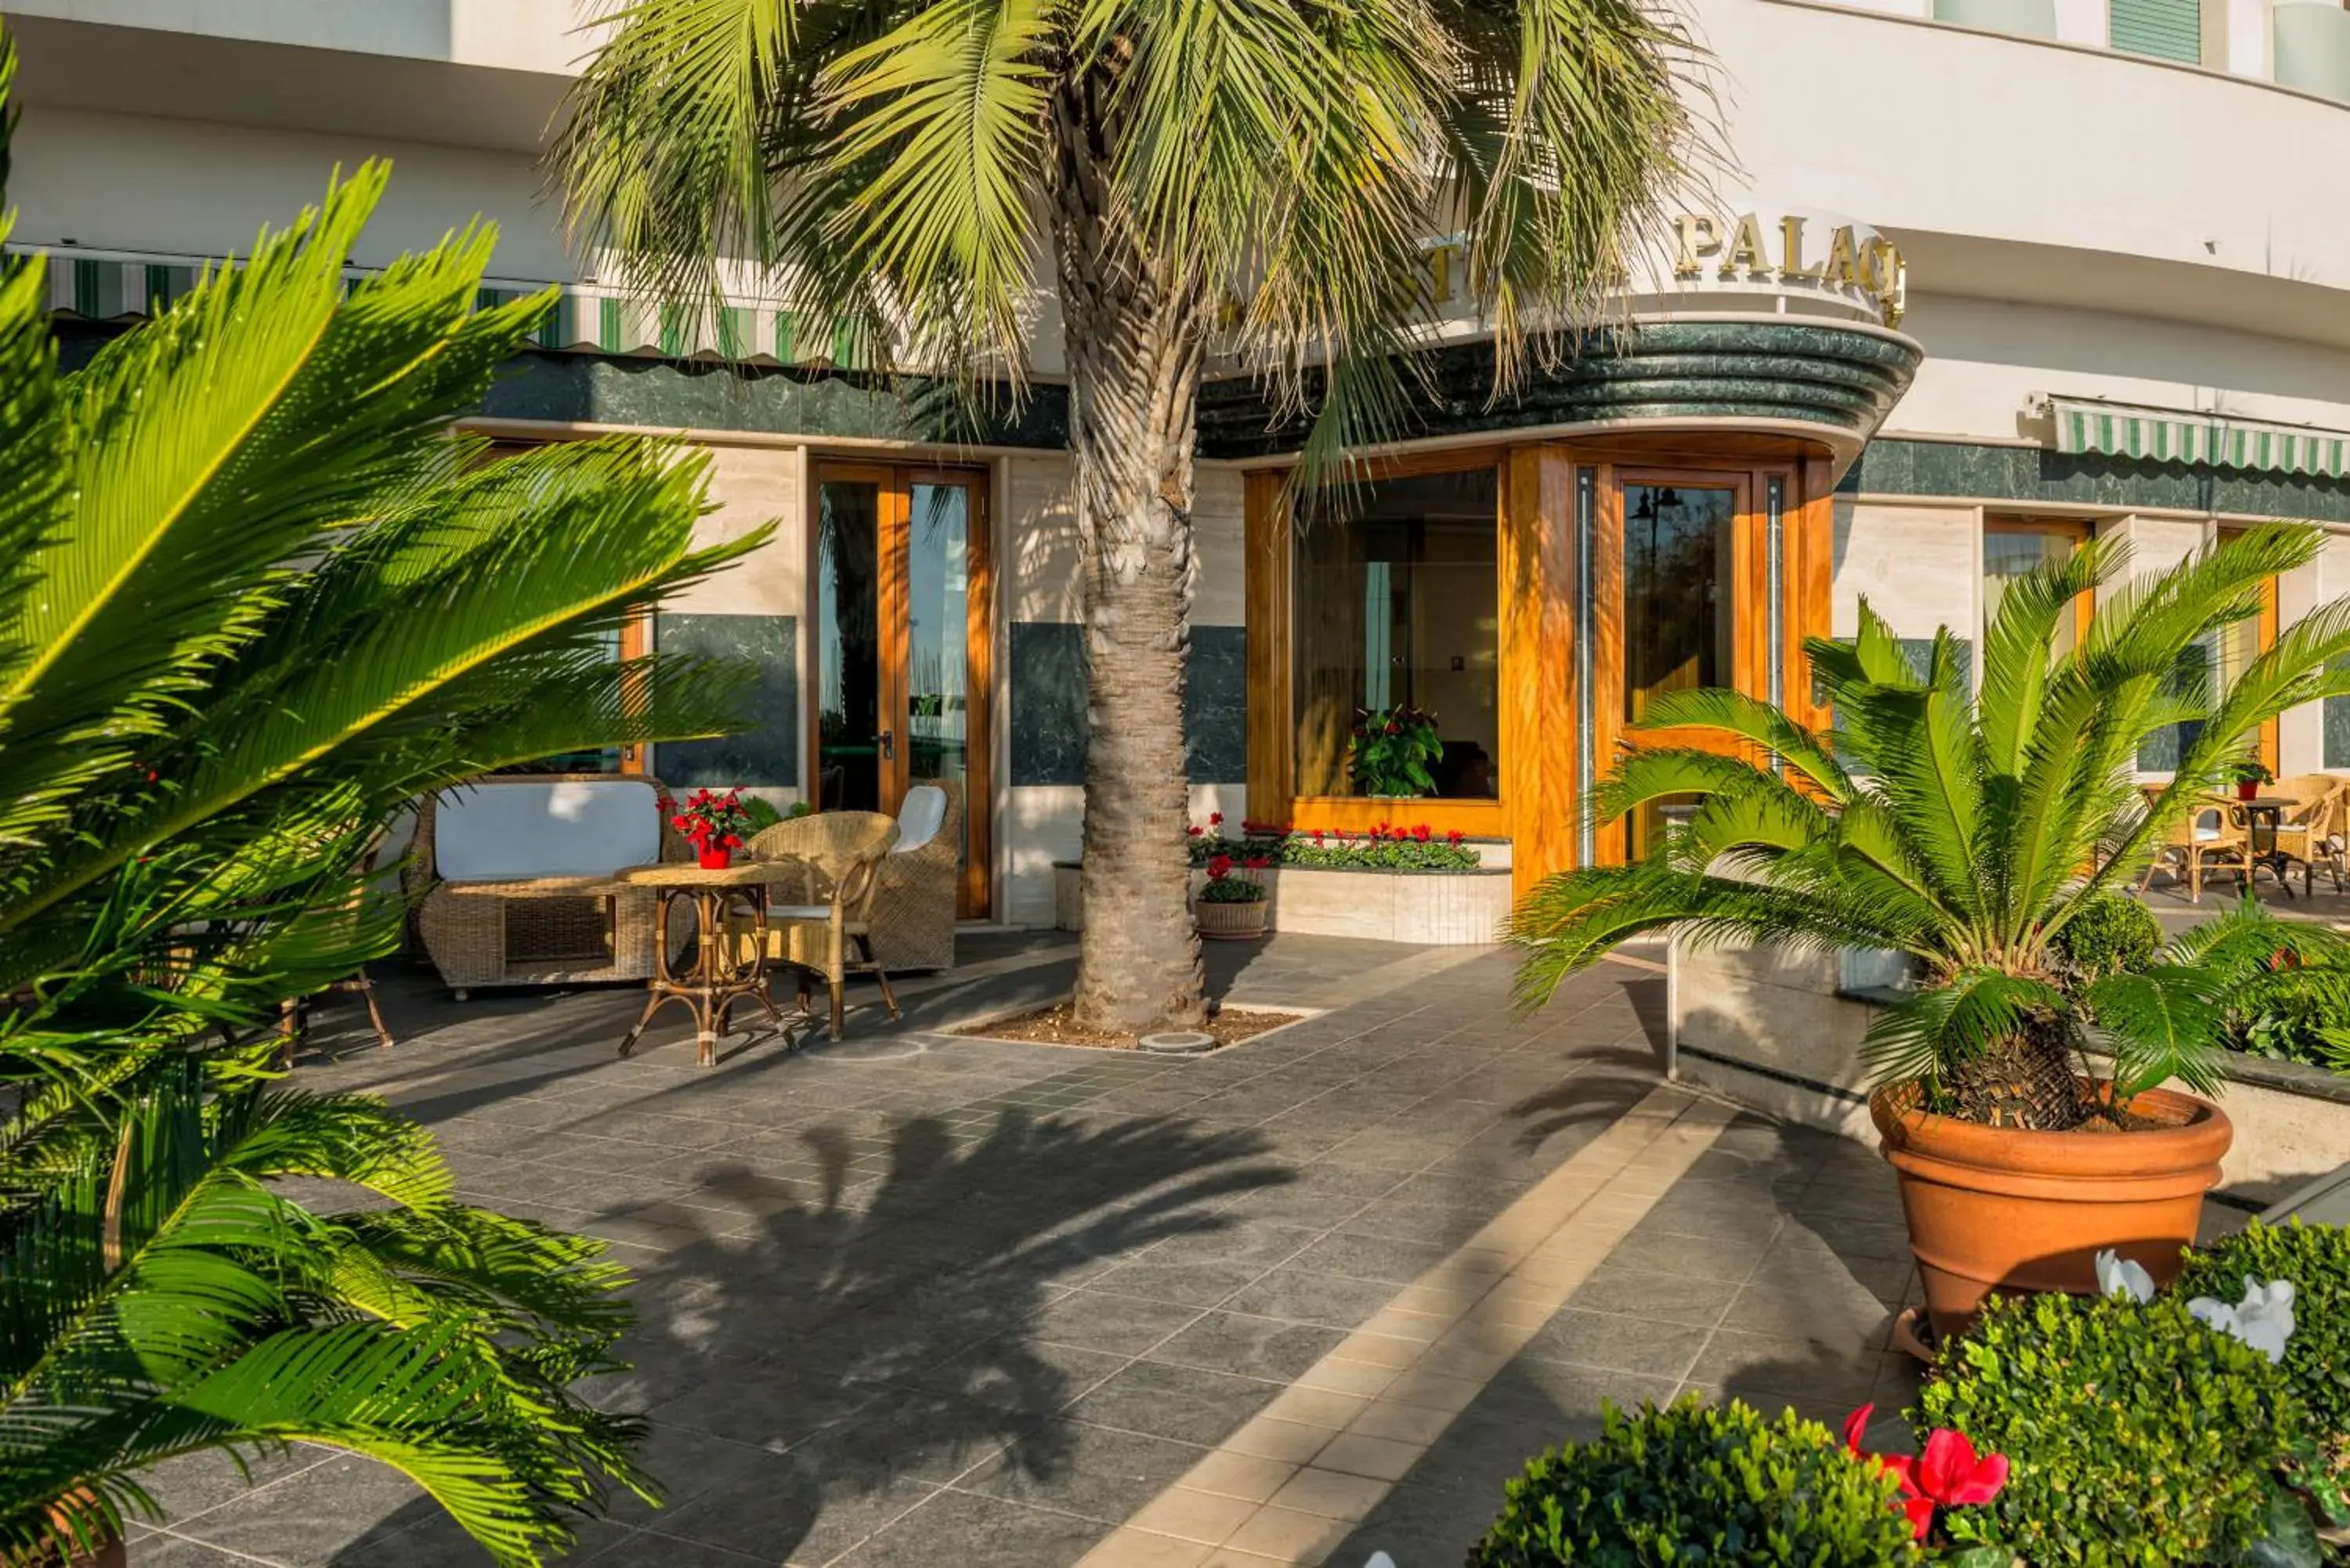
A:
x,y
865,1331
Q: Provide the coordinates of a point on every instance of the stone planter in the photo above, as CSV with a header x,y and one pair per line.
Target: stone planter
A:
x,y
1229,921
1427,908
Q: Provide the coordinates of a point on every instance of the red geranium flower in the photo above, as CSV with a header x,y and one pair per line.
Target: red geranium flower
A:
x,y
1195,830
1453,836
1257,862
1421,833
1948,1474
1215,819
1219,867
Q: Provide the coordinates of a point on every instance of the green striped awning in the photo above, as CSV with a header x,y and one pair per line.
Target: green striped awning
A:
x,y
114,286
2180,435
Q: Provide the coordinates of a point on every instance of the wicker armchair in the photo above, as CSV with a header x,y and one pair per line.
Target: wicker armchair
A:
x,y
820,903
914,897
546,912
2213,837
2314,832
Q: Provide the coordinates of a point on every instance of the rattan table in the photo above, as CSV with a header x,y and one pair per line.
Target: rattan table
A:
x,y
720,979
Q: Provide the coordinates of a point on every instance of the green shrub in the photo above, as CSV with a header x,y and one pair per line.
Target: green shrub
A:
x,y
763,815
2112,933
2133,1433
1699,1483
2316,1259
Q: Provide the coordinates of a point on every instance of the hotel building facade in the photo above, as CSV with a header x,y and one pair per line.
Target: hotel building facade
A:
x,y
1991,277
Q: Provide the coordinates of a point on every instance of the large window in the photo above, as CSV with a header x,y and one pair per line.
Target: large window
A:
x,y
1396,606
2011,549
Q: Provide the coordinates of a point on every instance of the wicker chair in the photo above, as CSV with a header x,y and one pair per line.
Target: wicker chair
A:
x,y
559,919
914,893
2213,837
2313,832
820,904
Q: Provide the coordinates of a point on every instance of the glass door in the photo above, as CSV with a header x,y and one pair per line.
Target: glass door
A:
x,y
1685,553
903,645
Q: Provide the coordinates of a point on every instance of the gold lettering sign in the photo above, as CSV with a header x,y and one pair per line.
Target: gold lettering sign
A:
x,y
1790,252
1746,253
1700,236
1864,264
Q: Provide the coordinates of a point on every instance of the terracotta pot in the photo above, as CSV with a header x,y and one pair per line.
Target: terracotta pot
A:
x,y
2001,1209
715,860
2248,789
1230,922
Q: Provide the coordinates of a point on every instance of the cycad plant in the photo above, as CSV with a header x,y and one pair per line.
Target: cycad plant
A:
x,y
1258,178
1967,830
255,597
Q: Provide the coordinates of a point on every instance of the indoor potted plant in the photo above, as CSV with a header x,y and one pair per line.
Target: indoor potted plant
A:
x,y
1232,906
2017,1097
714,822
2248,776
1392,751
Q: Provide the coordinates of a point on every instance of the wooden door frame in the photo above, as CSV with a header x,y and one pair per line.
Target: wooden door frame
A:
x,y
894,482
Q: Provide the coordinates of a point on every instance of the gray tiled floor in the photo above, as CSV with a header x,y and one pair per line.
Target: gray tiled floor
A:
x,y
916,1299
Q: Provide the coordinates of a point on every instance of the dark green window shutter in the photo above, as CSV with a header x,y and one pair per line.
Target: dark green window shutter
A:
x,y
2167,29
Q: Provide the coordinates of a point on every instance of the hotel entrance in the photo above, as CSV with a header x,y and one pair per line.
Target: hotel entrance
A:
x,y
1531,606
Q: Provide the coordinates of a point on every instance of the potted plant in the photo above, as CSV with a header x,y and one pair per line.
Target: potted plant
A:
x,y
2249,776
1392,751
1229,906
2017,1096
714,822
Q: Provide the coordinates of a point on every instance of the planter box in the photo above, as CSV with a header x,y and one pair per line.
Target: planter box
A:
x,y
1429,908
1776,1030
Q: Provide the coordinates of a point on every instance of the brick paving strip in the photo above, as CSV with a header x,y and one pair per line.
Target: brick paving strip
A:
x,y
1294,1481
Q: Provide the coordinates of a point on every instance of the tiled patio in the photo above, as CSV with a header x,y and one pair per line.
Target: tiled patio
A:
x,y
922,1300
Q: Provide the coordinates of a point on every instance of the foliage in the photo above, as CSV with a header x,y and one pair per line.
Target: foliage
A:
x,y
2282,987
1381,848
256,597
2316,1260
2251,770
760,815
2135,1433
1694,1482
2110,934
908,174
1956,827
1224,887
1392,750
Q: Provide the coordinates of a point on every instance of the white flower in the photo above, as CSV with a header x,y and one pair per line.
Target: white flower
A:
x,y
2263,1319
2120,1276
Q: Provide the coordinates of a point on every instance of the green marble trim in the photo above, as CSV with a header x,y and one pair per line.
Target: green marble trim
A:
x,y
2030,475
1843,379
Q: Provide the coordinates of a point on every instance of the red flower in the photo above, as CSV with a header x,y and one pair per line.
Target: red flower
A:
x,y
1219,867
1215,819
1317,835
1421,833
1257,862
731,842
1949,1474
1195,830
1453,836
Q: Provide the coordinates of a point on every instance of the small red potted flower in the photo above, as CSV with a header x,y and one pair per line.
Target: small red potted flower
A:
x,y
714,822
1232,908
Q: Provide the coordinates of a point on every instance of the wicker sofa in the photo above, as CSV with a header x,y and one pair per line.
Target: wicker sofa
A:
x,y
516,879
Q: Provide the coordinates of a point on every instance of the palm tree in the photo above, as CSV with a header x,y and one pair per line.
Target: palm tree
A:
x,y
256,597
1252,178
1967,831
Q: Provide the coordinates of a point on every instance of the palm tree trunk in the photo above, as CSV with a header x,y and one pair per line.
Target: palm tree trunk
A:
x,y
1136,331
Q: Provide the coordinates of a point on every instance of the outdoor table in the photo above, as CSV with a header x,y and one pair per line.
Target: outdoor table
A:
x,y
718,979
2264,814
